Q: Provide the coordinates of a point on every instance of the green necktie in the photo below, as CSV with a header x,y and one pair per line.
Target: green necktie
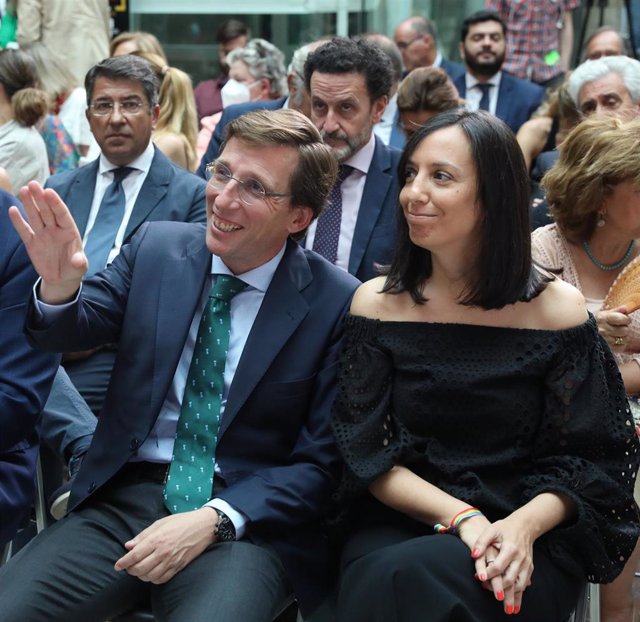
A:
x,y
190,481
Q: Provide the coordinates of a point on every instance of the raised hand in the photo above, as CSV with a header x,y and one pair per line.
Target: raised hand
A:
x,y
52,240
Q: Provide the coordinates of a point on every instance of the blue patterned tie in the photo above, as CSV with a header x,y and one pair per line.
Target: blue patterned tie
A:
x,y
484,100
108,220
190,482
327,235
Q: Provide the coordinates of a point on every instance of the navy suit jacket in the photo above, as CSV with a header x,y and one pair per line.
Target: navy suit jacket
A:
x,y
25,379
455,70
397,138
375,232
168,193
275,445
517,99
229,114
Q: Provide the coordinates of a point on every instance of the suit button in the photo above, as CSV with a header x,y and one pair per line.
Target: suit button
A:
x,y
92,487
134,444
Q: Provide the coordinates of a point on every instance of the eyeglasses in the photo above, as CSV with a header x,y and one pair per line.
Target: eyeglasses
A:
x,y
403,45
128,108
250,191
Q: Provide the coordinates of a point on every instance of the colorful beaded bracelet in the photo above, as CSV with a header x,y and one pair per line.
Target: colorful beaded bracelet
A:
x,y
457,520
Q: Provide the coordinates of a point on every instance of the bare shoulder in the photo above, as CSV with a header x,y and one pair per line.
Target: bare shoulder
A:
x,y
560,306
371,302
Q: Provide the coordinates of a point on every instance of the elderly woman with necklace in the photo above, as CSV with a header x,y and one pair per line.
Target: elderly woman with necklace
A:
x,y
594,194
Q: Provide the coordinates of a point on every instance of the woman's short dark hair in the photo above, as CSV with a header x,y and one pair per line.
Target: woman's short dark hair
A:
x,y
503,272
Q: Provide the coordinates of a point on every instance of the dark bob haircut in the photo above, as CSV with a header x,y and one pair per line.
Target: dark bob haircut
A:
x,y
503,272
342,55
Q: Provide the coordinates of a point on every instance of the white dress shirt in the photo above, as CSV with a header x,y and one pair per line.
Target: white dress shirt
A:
x,y
131,185
474,94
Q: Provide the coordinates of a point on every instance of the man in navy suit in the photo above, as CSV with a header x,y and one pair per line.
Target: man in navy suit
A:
x,y
25,378
418,42
349,82
258,538
482,46
123,110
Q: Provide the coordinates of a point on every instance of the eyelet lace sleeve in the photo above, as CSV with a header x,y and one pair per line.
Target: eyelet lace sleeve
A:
x,y
370,438
586,449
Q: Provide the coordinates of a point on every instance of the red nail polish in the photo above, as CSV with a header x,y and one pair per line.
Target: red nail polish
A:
x,y
509,610
500,595
483,577
516,610
475,553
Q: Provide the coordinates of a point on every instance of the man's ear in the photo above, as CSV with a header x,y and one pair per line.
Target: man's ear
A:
x,y
378,108
155,114
301,217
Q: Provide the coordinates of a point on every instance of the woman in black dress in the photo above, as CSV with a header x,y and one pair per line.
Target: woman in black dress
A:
x,y
482,420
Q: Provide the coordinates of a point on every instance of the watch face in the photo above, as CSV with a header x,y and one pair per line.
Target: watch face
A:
x,y
225,531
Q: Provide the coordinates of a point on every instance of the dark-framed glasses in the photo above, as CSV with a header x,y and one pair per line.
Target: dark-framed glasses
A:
x,y
250,191
128,108
403,45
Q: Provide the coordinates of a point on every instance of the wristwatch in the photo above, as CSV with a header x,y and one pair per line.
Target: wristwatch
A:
x,y
224,531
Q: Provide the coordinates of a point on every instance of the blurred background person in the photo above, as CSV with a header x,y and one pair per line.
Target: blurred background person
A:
x,y
594,196
424,93
605,41
256,72
231,35
549,126
133,41
23,153
177,127
65,128
77,33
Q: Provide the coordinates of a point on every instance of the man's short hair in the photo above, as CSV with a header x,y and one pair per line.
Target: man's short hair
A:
x,y
132,68
423,26
232,29
341,55
263,60
316,172
479,17
590,70
389,47
599,31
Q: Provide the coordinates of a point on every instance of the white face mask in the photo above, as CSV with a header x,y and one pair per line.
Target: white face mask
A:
x,y
234,92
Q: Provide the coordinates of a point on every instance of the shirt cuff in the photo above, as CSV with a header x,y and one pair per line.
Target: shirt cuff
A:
x,y
237,518
45,312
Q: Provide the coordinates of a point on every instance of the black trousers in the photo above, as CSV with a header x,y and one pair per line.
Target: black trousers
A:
x,y
66,573
392,575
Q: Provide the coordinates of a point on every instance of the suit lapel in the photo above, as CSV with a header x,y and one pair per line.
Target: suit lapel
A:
x,y
281,312
178,297
153,190
80,195
503,110
376,186
461,85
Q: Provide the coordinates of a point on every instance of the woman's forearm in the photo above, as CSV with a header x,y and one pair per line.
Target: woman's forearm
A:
x,y
544,512
406,492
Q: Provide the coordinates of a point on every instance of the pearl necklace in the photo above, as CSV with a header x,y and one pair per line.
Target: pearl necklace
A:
x,y
611,266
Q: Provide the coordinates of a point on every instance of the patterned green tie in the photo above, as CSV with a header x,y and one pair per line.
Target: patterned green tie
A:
x,y
190,481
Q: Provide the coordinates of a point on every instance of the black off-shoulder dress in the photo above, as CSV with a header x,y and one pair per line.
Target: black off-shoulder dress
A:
x,y
493,416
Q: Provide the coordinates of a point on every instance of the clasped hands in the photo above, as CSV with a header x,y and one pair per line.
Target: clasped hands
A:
x,y
503,554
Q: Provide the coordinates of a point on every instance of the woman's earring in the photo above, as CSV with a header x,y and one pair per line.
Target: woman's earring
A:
x,y
601,222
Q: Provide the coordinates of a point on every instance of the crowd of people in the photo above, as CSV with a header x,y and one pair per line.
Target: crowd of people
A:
x,y
334,332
